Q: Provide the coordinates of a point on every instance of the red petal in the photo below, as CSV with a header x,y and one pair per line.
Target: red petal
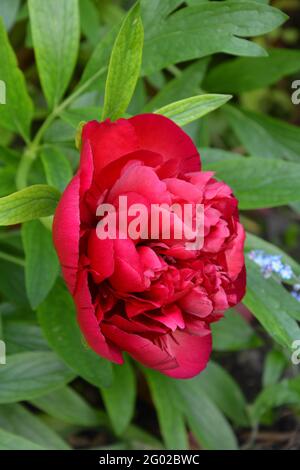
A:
x,y
66,227
89,324
161,135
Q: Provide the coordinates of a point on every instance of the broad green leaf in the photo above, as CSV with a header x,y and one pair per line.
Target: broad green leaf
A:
x,y
57,168
7,181
212,155
55,33
12,283
8,11
224,392
272,305
124,66
275,363
206,421
119,398
67,405
188,110
170,418
21,336
259,183
263,136
42,267
233,333
9,441
16,108
18,420
211,27
58,320
30,203
155,12
31,374
286,392
183,86
250,73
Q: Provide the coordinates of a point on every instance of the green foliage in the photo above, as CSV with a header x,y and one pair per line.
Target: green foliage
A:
x,y
64,62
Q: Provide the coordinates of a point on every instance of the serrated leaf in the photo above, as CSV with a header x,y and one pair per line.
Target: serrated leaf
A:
x,y
58,320
55,34
31,374
211,27
42,266
30,203
16,108
190,109
124,66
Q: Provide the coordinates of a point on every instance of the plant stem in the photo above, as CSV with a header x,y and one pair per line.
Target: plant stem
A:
x,y
31,150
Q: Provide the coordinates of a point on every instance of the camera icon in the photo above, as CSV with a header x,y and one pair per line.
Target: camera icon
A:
x,y
2,92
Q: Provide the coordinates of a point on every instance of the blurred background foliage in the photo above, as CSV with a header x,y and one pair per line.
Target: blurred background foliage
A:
x,y
249,396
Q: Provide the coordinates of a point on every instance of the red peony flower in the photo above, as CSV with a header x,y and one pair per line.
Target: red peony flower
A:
x,y
152,298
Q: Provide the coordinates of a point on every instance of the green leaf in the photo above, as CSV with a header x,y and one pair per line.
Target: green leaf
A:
x,y
30,203
233,333
206,29
188,110
8,11
170,418
42,266
275,363
58,320
30,374
124,66
263,136
67,405
18,420
286,392
57,168
55,34
17,111
119,398
251,73
21,336
12,283
7,181
259,183
272,305
207,423
182,86
9,441
224,392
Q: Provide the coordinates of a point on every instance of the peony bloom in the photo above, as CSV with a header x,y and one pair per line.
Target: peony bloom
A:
x,y
152,298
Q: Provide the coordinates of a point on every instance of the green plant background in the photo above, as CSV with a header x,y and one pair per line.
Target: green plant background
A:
x,y
68,61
